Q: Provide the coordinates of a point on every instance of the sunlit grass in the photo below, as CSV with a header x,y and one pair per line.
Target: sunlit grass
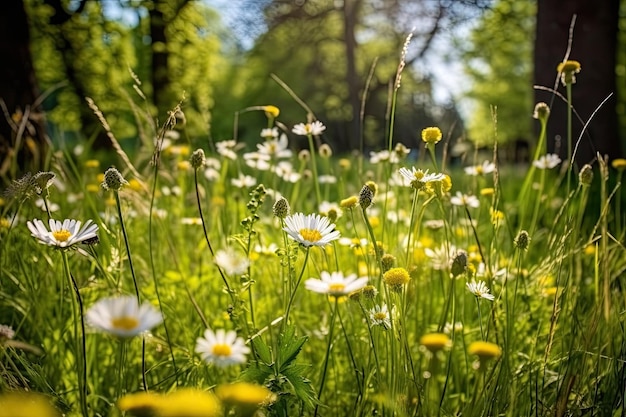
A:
x,y
480,291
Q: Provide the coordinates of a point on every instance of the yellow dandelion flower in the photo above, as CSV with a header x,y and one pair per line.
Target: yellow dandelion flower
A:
x,y
487,192
218,201
93,188
484,350
496,216
100,177
435,341
590,250
140,404
568,69
271,112
374,221
134,184
395,278
345,164
183,165
189,402
431,135
350,202
619,164
92,163
26,404
245,398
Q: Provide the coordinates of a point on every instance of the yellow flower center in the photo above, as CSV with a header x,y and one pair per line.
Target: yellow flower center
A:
x,y
336,287
396,277
479,170
310,235
61,235
222,349
380,316
125,323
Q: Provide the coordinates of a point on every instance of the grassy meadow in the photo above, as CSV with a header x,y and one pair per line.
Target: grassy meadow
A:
x,y
237,280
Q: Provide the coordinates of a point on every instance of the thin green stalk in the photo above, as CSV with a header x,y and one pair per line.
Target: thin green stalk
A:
x,y
411,224
132,272
121,358
318,194
81,345
295,288
327,356
569,135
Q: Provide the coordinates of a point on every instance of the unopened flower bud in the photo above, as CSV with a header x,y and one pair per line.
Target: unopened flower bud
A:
x,y
366,197
585,176
113,180
325,151
459,263
281,208
197,159
387,261
522,240
542,112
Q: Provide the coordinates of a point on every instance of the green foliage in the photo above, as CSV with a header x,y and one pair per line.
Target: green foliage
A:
x,y
498,61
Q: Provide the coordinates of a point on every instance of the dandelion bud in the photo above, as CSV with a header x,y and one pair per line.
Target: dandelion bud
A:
x,y
396,278
459,263
568,69
366,197
542,112
484,350
197,159
325,151
522,240
373,186
435,341
345,164
585,176
431,135
281,208
619,164
370,292
113,180
387,261
350,202
332,215
271,112
304,155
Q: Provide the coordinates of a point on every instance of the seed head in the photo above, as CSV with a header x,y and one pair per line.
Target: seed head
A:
x,y
197,159
366,197
387,261
113,180
585,176
281,208
542,112
522,240
459,263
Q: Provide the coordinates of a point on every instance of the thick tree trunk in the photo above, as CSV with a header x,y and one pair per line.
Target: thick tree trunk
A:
x,y
350,9
159,68
594,46
22,133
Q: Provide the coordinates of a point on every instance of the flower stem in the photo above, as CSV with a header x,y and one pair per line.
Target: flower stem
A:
x,y
81,345
327,356
295,288
318,194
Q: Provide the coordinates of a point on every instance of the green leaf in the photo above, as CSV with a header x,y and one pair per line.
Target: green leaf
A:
x,y
262,350
289,347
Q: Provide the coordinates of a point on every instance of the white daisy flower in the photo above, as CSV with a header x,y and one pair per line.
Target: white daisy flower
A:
x,y
310,230
276,148
382,156
335,284
440,257
228,148
417,178
269,133
123,316
62,234
461,199
232,262
486,167
379,316
221,348
315,128
479,289
326,207
547,161
243,181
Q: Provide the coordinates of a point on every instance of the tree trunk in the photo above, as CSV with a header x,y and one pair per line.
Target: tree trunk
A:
x,y
350,13
594,46
159,70
22,130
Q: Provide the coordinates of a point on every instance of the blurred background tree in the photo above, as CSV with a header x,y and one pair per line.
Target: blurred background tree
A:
x,y
322,50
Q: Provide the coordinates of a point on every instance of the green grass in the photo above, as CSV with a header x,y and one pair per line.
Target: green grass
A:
x,y
557,315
